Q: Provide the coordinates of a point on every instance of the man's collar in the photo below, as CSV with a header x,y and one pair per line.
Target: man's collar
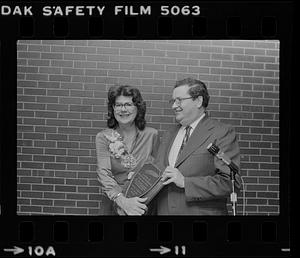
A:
x,y
195,123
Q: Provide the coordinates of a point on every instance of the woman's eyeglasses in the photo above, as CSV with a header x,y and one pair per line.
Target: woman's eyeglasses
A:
x,y
127,105
178,100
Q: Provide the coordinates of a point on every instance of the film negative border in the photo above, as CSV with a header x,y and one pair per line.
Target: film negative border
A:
x,y
148,236
110,237
157,20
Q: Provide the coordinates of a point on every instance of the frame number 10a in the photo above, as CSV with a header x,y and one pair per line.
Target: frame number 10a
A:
x,y
32,250
39,251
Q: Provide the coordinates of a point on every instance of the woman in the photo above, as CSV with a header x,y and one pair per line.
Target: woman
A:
x,y
123,149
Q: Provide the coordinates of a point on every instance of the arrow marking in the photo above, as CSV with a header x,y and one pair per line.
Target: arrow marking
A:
x,y
15,250
161,250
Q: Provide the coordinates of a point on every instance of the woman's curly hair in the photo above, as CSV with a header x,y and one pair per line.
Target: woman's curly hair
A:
x,y
127,91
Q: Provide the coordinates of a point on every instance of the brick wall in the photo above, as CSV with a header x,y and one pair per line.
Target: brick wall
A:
x,y
62,87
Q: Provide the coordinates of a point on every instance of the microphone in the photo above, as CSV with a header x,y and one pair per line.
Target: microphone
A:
x,y
215,150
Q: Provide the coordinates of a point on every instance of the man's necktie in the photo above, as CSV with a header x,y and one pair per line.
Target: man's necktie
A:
x,y
185,139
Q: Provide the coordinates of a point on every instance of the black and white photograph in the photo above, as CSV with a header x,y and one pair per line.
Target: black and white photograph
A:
x,y
148,127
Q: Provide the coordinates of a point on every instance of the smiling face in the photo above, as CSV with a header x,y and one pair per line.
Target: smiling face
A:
x,y
189,109
124,110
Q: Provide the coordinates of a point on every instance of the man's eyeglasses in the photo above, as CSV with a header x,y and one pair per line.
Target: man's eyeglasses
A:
x,y
127,105
178,100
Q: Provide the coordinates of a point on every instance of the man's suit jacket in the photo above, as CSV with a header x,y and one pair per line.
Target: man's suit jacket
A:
x,y
207,179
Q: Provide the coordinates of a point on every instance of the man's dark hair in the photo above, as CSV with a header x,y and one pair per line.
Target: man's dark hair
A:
x,y
127,91
197,88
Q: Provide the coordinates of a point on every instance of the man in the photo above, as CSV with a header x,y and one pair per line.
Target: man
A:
x,y
196,182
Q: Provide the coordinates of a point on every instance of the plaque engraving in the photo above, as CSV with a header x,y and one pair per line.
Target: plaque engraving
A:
x,y
144,183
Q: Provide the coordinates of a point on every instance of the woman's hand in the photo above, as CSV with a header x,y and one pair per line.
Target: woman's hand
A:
x,y
132,206
130,174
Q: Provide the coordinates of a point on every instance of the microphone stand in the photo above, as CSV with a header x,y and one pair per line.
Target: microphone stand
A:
x,y
215,150
233,195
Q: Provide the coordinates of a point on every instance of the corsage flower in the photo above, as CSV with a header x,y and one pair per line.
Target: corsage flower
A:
x,y
119,150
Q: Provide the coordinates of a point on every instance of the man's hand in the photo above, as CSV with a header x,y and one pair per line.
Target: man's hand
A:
x,y
173,175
